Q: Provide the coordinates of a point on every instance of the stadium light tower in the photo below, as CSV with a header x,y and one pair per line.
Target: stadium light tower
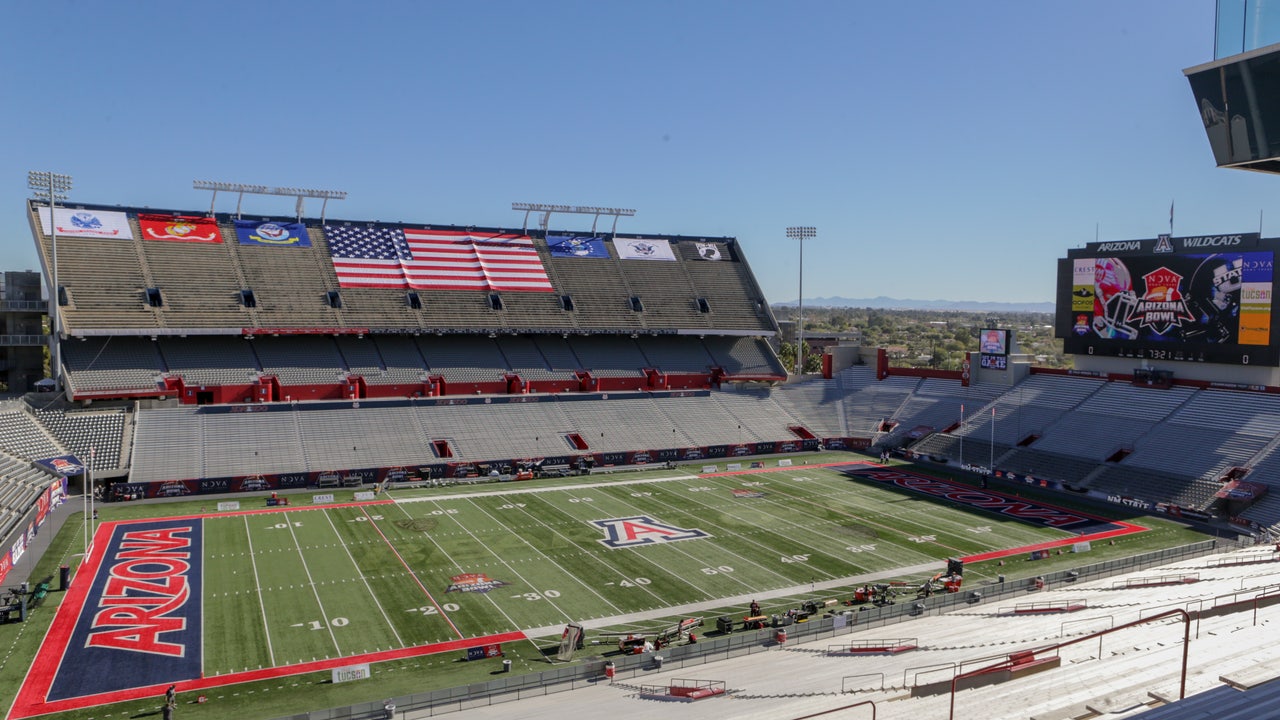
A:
x,y
800,233
52,187
547,210
299,193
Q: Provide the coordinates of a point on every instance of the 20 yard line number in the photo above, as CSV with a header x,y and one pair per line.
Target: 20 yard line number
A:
x,y
433,610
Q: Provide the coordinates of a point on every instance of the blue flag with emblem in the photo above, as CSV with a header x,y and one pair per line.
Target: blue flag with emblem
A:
x,y
252,232
576,246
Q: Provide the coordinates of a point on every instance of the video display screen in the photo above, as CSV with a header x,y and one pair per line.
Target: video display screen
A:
x,y
994,362
1188,306
992,341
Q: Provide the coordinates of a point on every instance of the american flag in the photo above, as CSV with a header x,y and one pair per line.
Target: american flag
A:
x,y
435,260
368,256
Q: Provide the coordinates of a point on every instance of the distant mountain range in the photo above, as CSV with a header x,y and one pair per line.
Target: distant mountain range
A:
x,y
888,303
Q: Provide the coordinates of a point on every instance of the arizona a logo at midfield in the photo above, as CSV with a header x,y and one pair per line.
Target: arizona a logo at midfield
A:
x,y
642,530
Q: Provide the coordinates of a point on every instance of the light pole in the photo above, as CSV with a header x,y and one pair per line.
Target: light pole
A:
x,y
52,187
800,233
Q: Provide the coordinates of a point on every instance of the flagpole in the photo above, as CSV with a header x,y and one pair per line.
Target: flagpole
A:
x,y
992,465
84,507
1171,218
89,473
962,436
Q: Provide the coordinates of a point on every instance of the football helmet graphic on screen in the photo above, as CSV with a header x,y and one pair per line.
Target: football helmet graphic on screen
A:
x,y
1113,300
1215,299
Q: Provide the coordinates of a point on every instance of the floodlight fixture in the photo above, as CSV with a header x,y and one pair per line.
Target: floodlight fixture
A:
x,y
801,233
52,187
547,210
240,189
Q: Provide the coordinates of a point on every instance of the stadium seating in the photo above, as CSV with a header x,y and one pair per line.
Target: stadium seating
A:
x,y
210,360
96,437
149,318
122,364
23,436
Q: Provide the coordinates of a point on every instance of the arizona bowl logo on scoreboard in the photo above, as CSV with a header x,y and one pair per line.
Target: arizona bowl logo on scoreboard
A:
x,y
642,530
140,622
1204,299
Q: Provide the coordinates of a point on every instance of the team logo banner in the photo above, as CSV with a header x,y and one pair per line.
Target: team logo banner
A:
x,y
183,228
249,232
63,465
576,246
140,622
643,249
109,224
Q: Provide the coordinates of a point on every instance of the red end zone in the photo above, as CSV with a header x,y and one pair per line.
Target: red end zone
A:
x,y
32,697
991,500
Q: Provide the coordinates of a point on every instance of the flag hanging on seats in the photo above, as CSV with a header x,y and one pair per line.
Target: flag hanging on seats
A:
x,y
250,232
435,259
576,246
179,228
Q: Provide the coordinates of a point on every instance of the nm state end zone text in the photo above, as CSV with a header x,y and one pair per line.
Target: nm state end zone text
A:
x,y
209,600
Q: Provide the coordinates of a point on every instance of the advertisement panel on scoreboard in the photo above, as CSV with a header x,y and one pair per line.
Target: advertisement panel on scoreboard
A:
x,y
1205,299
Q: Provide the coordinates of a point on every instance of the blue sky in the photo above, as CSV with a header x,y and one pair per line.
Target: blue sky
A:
x,y
942,149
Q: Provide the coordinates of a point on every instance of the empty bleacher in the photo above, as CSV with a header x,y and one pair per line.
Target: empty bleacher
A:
x,y
609,356
96,437
125,364
743,356
211,360
300,360
23,436
465,358
675,353
401,358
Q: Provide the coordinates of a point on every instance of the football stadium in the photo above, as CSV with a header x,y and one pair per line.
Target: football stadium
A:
x,y
295,465
367,469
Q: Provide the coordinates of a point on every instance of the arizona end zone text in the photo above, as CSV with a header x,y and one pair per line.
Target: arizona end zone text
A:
x,y
145,587
1052,517
140,616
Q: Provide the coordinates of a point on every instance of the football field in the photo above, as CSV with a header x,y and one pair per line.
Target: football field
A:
x,y
210,599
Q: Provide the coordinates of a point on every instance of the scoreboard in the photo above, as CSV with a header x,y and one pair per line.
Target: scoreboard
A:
x,y
1207,298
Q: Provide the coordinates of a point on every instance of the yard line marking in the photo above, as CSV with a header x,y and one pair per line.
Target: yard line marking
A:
x,y
545,557
634,551
487,596
412,574
311,581
813,548
266,629
594,555
724,532
372,594
801,498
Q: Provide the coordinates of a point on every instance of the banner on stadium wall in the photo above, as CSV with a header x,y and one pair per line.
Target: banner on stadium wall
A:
x,y
181,228
71,222
53,496
576,246
644,249
1241,490
709,251
249,232
62,465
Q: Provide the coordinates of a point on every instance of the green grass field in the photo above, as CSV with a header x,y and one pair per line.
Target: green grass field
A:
x,y
303,585
308,584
